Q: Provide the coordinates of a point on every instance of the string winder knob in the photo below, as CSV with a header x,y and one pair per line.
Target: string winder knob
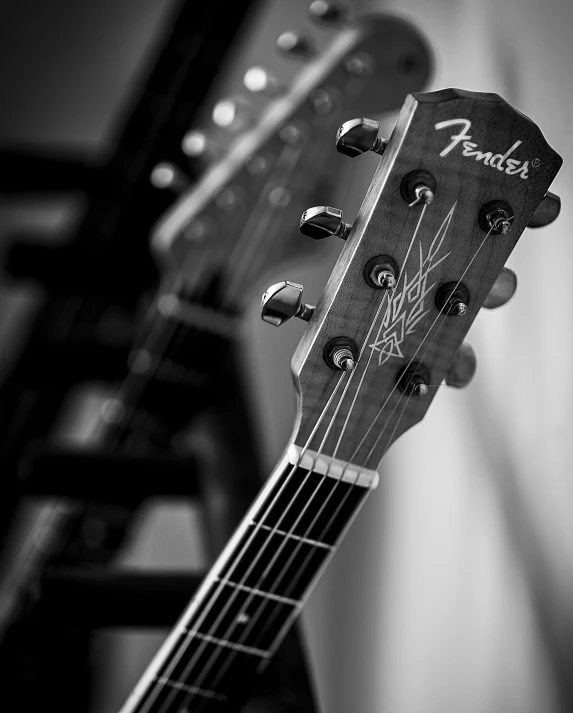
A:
x,y
464,366
282,301
322,221
358,136
546,212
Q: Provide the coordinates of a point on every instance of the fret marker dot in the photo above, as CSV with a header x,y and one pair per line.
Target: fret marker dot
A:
x,y
243,618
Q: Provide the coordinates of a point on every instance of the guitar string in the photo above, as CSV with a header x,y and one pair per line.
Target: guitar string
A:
x,y
253,619
284,179
302,567
309,529
257,528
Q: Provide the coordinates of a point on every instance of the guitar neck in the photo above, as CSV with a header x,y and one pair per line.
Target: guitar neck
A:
x,y
257,587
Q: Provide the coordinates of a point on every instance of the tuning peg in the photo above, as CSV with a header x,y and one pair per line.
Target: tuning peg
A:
x,y
329,11
358,136
168,176
283,301
463,366
546,211
231,114
259,81
503,289
322,221
296,44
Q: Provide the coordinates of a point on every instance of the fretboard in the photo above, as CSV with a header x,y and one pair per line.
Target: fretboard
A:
x,y
256,588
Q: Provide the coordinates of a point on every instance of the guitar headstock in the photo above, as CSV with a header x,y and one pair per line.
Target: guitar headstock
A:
x,y
223,233
459,180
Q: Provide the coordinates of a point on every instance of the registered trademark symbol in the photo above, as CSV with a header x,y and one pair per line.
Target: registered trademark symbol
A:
x,y
536,162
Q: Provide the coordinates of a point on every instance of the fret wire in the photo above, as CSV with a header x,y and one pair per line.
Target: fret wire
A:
x,y
260,592
228,644
195,690
314,543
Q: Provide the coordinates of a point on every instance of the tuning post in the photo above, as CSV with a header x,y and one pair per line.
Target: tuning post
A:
x,y
282,301
418,187
414,379
496,218
259,81
296,44
231,114
453,299
167,176
357,136
360,65
329,11
341,353
322,221
381,272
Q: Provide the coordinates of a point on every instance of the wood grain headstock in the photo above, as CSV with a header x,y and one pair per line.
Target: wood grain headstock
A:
x,y
487,168
224,232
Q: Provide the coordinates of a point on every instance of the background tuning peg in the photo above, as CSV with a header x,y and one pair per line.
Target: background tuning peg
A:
x,y
357,136
329,11
168,176
296,44
546,212
464,366
503,289
282,301
232,114
260,81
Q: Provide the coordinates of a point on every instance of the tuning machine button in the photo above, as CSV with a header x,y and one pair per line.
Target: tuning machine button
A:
x,y
546,212
503,289
296,44
322,221
282,301
358,136
463,368
333,12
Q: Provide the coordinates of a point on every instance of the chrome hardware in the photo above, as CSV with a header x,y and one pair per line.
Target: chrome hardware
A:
x,y
282,301
167,176
295,44
414,379
231,114
453,299
418,186
322,221
341,353
358,136
329,11
259,81
496,217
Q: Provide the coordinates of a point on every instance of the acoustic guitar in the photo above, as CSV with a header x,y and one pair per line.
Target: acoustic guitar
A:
x,y
460,178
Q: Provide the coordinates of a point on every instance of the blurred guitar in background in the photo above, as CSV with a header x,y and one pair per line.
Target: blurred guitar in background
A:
x,y
186,339
426,252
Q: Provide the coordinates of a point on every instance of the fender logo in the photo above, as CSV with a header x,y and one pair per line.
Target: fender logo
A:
x,y
502,162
